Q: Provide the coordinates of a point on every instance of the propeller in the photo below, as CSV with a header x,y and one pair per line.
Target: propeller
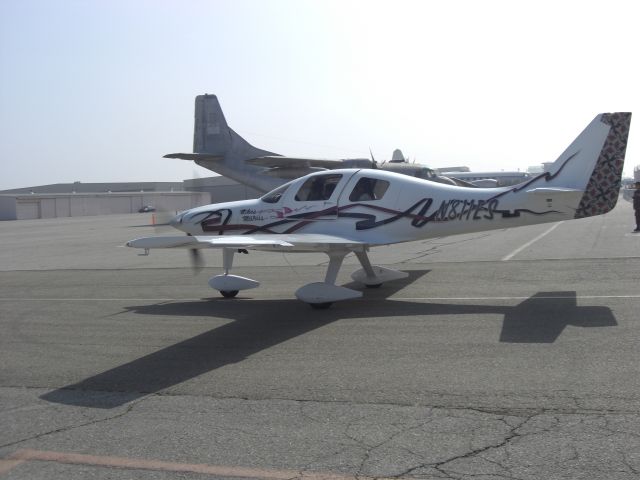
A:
x,y
374,164
162,226
195,256
162,218
197,262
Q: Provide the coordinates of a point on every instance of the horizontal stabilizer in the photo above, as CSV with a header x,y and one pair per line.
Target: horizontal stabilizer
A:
x,y
195,156
554,197
555,191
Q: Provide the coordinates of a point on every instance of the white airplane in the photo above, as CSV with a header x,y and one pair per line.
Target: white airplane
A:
x,y
351,210
220,149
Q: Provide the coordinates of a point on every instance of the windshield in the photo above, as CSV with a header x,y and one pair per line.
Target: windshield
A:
x,y
274,196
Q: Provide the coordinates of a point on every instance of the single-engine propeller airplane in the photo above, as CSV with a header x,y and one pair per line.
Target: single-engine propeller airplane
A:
x,y
351,210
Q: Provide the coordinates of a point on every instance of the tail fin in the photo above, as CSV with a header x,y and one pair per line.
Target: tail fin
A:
x,y
593,163
212,135
218,148
397,156
210,131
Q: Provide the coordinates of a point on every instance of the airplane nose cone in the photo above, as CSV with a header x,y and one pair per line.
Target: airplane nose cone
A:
x,y
176,222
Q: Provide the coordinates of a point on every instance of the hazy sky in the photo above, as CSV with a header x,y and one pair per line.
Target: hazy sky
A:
x,y
100,90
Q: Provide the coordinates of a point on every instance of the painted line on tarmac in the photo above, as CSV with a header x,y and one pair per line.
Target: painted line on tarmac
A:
x,y
164,466
7,465
533,297
426,299
531,242
60,299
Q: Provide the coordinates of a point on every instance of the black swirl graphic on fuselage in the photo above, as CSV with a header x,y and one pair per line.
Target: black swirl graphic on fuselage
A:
x,y
447,211
214,221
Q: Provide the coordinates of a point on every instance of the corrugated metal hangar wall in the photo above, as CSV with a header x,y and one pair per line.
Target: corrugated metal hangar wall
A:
x,y
31,206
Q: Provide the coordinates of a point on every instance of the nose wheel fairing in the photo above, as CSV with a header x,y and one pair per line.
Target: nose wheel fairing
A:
x,y
229,285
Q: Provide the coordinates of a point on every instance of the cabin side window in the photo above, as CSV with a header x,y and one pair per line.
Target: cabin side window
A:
x,y
368,189
318,188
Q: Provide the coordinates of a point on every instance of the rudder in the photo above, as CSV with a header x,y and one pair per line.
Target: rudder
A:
x,y
603,188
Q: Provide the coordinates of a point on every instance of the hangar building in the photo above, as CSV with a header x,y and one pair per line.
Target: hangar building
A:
x,y
80,199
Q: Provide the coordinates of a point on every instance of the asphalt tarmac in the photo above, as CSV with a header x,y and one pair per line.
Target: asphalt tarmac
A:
x,y
507,354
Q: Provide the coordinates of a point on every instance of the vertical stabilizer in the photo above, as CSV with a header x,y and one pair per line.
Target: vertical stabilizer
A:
x,y
212,135
218,148
210,131
603,188
397,156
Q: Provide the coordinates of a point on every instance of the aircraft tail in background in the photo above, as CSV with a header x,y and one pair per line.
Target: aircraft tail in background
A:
x,y
212,135
218,148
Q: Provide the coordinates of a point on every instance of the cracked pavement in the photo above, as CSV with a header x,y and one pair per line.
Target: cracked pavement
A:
x,y
362,440
525,369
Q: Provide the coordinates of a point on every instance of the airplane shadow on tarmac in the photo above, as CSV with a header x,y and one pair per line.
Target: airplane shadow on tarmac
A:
x,y
261,324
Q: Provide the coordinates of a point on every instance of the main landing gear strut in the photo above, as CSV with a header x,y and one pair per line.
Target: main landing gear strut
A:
x,y
319,295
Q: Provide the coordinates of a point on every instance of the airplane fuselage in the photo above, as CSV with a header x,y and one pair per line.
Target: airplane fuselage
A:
x,y
397,208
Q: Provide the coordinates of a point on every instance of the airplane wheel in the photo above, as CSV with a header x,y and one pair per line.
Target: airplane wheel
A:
x,y
229,293
375,285
321,306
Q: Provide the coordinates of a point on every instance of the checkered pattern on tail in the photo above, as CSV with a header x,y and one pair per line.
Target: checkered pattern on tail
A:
x,y
601,193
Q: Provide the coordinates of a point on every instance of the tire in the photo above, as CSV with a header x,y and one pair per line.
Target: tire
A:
x,y
229,293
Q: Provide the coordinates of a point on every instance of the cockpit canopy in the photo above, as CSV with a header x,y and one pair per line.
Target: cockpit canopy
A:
x,y
318,187
322,187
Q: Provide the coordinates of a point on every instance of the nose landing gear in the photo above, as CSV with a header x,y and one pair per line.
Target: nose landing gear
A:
x,y
229,285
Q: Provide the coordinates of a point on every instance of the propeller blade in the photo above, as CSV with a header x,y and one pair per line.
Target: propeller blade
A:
x,y
160,220
373,160
197,262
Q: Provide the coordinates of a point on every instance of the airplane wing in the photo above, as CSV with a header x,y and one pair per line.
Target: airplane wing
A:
x,y
299,242
277,161
195,156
